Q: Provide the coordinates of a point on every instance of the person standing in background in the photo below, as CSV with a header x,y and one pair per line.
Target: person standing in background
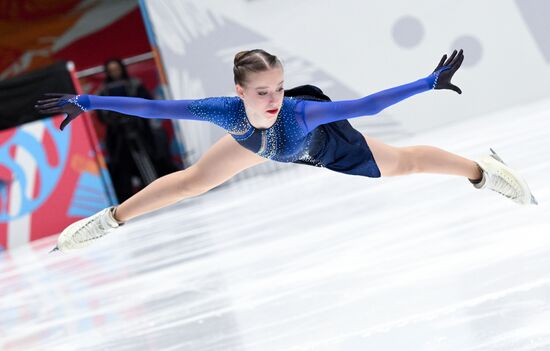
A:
x,y
134,157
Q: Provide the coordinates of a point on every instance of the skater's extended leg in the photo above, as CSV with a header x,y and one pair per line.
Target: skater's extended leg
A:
x,y
489,172
394,161
221,162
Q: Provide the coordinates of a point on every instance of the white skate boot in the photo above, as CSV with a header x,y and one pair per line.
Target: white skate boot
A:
x,y
498,177
85,231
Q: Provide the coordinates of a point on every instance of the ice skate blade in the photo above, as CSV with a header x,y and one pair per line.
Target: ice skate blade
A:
x,y
534,201
496,156
54,249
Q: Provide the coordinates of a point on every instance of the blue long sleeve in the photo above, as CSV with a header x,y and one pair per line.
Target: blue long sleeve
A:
x,y
173,109
314,113
226,112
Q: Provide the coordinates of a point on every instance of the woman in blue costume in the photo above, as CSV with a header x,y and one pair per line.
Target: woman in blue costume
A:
x,y
263,124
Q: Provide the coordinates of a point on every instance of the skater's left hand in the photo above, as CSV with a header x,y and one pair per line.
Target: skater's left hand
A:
x,y
446,69
60,103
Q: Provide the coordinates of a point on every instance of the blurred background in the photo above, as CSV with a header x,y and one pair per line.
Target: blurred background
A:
x,y
184,49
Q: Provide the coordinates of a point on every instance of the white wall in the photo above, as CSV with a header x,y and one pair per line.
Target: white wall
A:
x,y
352,48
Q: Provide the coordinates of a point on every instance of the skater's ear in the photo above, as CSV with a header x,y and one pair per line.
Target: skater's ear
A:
x,y
239,90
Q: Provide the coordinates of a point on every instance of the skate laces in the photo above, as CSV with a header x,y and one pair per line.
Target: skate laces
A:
x,y
95,228
502,185
502,182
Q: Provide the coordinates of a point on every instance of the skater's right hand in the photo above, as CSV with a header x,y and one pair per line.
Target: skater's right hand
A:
x,y
60,103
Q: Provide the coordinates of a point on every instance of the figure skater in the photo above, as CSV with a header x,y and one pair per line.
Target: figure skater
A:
x,y
304,127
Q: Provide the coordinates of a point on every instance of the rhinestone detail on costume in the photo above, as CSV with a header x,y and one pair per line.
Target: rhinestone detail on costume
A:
x,y
226,113
284,141
74,101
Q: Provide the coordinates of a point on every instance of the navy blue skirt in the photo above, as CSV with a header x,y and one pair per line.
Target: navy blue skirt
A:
x,y
341,148
337,145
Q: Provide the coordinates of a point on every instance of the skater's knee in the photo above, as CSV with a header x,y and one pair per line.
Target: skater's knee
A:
x,y
412,159
181,184
405,161
194,181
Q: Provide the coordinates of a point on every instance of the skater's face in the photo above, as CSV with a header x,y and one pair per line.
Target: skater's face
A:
x,y
263,96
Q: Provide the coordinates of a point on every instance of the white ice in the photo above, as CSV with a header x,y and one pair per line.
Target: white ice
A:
x,y
308,259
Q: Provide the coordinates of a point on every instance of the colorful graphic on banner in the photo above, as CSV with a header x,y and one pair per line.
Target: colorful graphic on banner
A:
x,y
30,143
49,179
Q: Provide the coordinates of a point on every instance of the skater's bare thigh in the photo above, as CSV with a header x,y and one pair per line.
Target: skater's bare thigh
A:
x,y
391,160
394,161
222,161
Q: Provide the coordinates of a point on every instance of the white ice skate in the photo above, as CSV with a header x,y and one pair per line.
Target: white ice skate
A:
x,y
85,231
498,177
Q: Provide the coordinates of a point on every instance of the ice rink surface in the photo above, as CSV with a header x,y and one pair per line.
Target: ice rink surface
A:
x,y
308,259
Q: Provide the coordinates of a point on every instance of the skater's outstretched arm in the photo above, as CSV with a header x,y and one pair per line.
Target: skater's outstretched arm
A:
x,y
74,105
315,113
